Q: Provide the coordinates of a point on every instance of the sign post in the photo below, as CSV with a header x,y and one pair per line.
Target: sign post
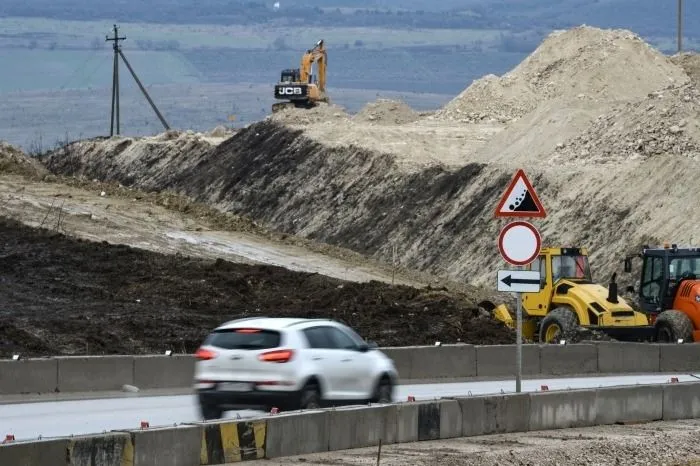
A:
x,y
519,243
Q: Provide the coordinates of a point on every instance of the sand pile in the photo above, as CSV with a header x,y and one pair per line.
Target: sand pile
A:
x,y
13,160
666,122
580,63
388,112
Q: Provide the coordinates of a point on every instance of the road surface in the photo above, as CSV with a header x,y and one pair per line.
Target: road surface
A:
x,y
63,418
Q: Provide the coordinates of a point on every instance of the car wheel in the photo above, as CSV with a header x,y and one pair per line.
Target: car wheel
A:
x,y
310,397
384,391
211,412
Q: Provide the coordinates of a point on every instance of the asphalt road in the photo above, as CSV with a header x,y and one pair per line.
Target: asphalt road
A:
x,y
63,418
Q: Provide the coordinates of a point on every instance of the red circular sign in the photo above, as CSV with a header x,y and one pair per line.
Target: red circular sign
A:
x,y
519,243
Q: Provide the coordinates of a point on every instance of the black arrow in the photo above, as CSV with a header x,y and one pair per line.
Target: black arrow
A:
x,y
525,281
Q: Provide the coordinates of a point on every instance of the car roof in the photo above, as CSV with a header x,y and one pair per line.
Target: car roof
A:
x,y
272,323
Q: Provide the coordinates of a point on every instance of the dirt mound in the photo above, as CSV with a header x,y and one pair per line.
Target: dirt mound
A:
x,y
66,296
322,113
666,122
13,160
690,62
158,155
386,111
580,63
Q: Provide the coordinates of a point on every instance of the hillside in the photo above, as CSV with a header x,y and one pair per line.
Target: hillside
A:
x,y
599,119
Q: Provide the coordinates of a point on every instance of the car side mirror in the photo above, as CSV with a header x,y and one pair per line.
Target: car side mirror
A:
x,y
364,347
628,265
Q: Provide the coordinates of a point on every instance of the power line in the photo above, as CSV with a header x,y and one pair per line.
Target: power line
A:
x,y
79,68
115,83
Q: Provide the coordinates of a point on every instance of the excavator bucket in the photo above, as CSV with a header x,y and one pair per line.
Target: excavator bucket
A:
x,y
501,313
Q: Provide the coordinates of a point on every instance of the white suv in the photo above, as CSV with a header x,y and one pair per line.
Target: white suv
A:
x,y
289,364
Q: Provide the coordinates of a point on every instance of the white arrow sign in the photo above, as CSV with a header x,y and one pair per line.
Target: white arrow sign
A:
x,y
520,281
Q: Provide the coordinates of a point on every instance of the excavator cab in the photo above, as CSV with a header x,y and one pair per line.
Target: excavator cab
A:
x,y
289,76
669,291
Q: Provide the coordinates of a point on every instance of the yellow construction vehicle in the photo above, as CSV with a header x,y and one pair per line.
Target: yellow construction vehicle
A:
x,y
568,300
300,87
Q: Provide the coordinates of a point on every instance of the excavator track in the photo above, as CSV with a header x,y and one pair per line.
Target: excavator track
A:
x,y
278,107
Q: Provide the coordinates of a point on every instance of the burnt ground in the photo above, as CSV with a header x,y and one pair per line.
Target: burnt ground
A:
x,y
68,296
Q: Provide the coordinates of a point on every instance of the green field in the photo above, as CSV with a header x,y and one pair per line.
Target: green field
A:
x,y
83,33
81,69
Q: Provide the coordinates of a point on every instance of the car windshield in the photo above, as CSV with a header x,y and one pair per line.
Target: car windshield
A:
x,y
243,338
681,267
570,267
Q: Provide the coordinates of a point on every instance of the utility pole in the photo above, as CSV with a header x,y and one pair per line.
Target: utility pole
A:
x,y
115,79
680,26
115,83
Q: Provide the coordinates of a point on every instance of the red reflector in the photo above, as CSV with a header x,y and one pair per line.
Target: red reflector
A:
x,y
277,356
204,354
247,330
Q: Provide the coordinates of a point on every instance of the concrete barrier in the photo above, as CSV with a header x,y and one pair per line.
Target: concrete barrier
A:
x,y
434,362
626,404
562,409
415,364
291,434
615,358
355,427
36,453
98,450
232,441
495,414
28,376
172,446
274,436
568,359
88,373
499,360
681,401
450,419
402,357
675,358
163,372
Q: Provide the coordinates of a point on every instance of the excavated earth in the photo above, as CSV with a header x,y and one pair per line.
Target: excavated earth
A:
x,y
604,125
70,296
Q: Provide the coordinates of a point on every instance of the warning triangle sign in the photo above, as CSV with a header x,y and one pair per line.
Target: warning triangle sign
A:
x,y
520,199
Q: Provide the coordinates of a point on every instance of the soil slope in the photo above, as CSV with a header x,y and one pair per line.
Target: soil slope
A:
x,y
604,125
68,296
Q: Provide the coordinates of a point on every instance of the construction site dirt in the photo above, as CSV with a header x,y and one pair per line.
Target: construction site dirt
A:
x,y
66,296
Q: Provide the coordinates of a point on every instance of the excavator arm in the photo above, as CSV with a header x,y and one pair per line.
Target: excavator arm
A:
x,y
318,55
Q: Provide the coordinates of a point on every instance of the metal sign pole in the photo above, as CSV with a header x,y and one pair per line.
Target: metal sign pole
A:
x,y
519,344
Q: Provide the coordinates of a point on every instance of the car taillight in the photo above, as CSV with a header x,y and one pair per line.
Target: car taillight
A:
x,y
247,330
204,354
277,356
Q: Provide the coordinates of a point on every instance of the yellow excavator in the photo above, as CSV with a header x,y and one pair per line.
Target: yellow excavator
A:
x,y
299,87
569,300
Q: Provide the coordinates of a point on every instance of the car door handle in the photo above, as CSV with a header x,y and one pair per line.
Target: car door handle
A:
x,y
346,360
317,358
